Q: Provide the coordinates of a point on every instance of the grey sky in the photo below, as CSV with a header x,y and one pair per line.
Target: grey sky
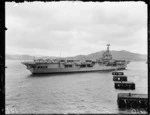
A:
x,y
75,28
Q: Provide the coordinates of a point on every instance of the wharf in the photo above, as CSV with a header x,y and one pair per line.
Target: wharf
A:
x,y
119,78
131,100
117,73
124,85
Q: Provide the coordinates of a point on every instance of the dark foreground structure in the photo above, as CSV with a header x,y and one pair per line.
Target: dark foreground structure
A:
x,y
119,78
130,100
124,85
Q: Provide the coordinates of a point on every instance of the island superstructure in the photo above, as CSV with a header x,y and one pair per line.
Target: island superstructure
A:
x,y
106,63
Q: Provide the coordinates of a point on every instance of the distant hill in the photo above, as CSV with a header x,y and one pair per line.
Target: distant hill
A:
x,y
26,57
18,57
116,55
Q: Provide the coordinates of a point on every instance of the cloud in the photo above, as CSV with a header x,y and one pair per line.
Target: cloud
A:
x,y
75,27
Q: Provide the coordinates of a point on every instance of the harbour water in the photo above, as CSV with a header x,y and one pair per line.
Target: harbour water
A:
x,y
91,92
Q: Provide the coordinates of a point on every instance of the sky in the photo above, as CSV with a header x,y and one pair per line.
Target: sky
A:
x,y
75,28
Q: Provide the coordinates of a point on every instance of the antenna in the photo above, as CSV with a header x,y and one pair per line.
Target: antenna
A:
x,y
60,54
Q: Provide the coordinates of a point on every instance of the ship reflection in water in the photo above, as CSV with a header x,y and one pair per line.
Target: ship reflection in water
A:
x,y
91,92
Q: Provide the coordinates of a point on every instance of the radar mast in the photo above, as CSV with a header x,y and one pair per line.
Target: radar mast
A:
x,y
107,55
108,47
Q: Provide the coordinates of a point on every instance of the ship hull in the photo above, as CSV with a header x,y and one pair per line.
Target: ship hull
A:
x,y
73,70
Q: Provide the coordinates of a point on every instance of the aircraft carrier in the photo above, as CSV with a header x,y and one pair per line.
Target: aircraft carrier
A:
x,y
105,63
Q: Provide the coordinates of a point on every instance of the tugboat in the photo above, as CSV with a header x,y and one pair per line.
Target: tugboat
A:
x,y
106,63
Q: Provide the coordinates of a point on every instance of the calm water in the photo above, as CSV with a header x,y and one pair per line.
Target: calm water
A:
x,y
68,93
